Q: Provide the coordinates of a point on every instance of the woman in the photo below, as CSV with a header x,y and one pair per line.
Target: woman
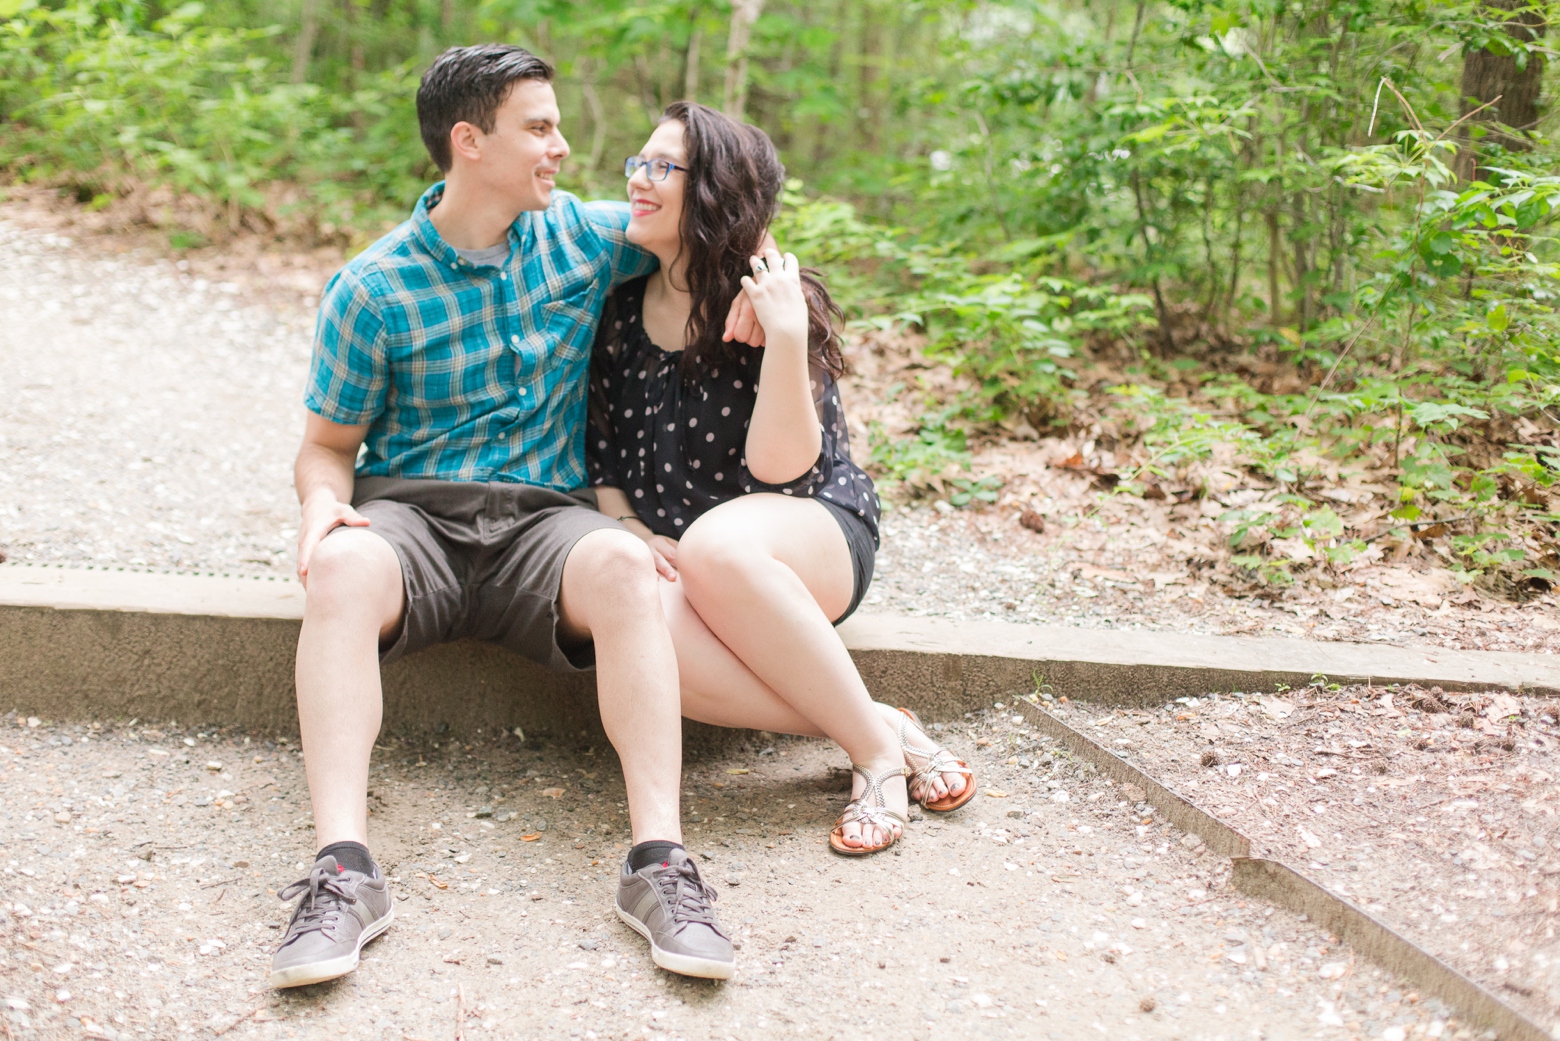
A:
x,y
733,464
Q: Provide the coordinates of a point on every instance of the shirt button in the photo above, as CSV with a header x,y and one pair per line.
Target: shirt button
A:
x,y
503,276
524,392
514,339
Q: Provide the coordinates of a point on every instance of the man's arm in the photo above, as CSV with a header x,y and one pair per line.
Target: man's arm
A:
x,y
323,477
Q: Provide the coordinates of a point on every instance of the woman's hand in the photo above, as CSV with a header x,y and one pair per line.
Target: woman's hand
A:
x,y
775,290
664,550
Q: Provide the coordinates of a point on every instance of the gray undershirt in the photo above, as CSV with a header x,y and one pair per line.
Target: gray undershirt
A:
x,y
493,256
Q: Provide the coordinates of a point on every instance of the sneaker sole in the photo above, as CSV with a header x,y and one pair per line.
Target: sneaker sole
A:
x,y
682,964
330,968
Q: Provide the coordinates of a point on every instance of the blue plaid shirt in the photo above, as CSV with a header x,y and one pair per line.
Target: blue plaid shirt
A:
x,y
465,372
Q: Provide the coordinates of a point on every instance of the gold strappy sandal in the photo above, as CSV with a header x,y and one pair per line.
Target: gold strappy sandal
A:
x,y
938,761
871,808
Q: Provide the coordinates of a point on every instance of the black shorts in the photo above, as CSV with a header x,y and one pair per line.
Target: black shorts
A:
x,y
481,561
863,551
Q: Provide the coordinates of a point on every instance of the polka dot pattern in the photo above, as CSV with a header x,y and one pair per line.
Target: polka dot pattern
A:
x,y
638,399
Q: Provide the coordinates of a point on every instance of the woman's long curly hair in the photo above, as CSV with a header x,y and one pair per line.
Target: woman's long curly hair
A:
x,y
731,193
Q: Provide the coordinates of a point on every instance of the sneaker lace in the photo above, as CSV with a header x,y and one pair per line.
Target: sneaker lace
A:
x,y
687,894
324,891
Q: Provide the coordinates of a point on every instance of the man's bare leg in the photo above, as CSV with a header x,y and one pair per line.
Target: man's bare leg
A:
x,y
609,596
355,600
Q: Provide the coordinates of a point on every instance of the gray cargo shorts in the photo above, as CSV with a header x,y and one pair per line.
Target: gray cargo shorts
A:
x,y
481,561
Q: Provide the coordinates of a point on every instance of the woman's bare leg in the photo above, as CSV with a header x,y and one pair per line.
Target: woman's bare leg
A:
x,y
716,687
766,574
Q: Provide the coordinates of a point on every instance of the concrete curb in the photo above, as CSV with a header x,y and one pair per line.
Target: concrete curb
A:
x,y
208,649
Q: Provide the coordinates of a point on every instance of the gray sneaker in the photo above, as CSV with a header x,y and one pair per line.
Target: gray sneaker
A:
x,y
340,911
669,905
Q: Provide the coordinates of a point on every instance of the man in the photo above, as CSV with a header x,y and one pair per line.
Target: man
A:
x,y
454,352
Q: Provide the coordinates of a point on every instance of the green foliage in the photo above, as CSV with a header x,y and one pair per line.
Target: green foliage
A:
x,y
928,462
92,95
1039,191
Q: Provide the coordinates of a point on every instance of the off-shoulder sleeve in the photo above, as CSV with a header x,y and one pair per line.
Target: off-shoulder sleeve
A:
x,y
601,426
817,479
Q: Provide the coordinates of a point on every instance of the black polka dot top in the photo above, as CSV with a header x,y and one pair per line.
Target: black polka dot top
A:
x,y
676,448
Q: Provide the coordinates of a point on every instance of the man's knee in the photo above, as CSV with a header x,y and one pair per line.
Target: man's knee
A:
x,y
352,565
611,563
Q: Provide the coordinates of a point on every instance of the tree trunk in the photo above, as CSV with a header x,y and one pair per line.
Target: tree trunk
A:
x,y
598,114
303,46
743,14
691,63
1487,76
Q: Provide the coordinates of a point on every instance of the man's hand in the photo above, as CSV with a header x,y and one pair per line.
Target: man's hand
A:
x,y
742,323
323,477
322,513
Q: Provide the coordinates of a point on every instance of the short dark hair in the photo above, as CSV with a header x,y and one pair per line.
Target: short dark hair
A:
x,y
467,85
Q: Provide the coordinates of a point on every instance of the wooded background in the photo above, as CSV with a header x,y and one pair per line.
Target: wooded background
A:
x,y
1307,234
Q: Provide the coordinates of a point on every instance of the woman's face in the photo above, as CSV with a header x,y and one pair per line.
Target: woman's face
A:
x,y
656,206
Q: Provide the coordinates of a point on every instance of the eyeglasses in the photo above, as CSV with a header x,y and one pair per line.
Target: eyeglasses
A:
x,y
655,169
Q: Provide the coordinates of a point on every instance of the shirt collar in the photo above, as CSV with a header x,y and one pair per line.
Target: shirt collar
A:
x,y
443,252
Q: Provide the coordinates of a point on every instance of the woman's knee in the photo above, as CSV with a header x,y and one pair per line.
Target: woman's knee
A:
x,y
716,552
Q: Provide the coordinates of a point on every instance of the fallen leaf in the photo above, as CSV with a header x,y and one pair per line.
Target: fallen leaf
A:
x,y
996,793
531,837
452,958
1503,705
983,742
438,882
1277,708
739,770
552,793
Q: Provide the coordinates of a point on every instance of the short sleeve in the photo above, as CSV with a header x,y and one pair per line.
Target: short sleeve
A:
x,y
625,260
349,369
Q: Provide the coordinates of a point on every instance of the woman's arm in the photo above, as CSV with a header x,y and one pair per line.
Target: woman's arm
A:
x,y
784,437
614,503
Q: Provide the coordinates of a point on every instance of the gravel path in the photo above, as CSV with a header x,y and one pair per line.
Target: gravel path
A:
x,y
137,902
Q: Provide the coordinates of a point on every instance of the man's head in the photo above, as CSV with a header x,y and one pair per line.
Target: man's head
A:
x,y
489,117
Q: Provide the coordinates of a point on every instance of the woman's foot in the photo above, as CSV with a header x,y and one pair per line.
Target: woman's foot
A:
x,y
938,788
875,818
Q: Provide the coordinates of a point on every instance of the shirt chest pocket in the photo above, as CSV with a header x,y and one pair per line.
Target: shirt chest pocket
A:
x,y
569,322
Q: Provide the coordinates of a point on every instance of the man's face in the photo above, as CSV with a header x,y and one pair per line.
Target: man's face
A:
x,y
519,160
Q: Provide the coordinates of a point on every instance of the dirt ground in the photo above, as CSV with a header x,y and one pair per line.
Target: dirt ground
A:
x,y
152,414
1435,811
141,866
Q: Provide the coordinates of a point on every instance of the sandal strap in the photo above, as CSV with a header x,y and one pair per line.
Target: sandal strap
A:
x,y
938,760
871,807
